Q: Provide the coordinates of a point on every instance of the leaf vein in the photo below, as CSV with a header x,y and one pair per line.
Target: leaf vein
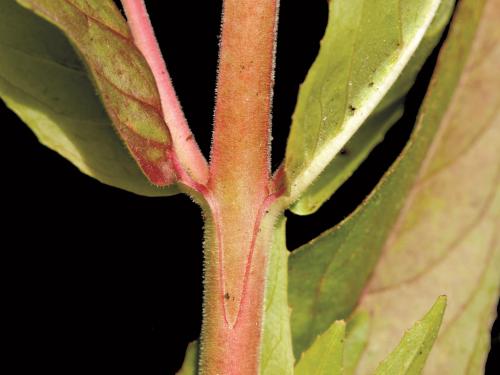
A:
x,y
450,249
128,38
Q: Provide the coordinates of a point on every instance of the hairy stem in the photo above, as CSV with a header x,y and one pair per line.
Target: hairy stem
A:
x,y
186,148
240,231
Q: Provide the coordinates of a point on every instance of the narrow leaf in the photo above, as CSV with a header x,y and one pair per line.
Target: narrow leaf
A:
x,y
190,364
429,246
372,131
409,356
276,354
325,356
366,47
124,81
44,82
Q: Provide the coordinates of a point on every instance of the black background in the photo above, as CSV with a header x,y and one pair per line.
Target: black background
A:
x,y
99,280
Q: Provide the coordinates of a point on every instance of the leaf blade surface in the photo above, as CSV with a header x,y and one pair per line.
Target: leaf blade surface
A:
x,y
325,356
409,357
373,130
335,267
366,47
448,229
45,83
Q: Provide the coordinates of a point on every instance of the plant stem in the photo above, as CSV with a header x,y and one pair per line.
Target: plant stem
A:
x,y
186,148
239,233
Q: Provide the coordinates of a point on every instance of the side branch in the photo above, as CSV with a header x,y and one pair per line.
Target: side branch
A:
x,y
186,148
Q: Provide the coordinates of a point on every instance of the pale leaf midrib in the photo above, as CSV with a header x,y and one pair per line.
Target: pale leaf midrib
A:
x,y
326,153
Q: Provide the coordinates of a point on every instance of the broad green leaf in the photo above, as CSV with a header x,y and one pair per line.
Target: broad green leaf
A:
x,y
276,353
357,330
446,237
328,275
411,353
44,82
190,364
366,47
372,131
325,356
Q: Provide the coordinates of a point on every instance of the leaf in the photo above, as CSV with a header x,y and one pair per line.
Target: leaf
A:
x,y
411,353
325,356
366,47
328,275
357,331
446,237
190,364
372,131
276,353
43,81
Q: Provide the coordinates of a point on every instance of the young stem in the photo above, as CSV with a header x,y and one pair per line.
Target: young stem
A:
x,y
186,148
237,241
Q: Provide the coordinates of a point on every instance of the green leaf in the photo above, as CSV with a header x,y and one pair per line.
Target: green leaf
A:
x,y
411,353
366,47
446,237
190,364
326,277
276,353
357,332
372,131
325,356
44,82
443,240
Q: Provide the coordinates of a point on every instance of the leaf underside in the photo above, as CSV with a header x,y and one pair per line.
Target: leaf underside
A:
x,y
433,216
372,131
43,80
366,47
446,237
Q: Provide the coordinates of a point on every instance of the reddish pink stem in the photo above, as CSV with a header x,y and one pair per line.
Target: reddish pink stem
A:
x,y
238,243
239,191
186,148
